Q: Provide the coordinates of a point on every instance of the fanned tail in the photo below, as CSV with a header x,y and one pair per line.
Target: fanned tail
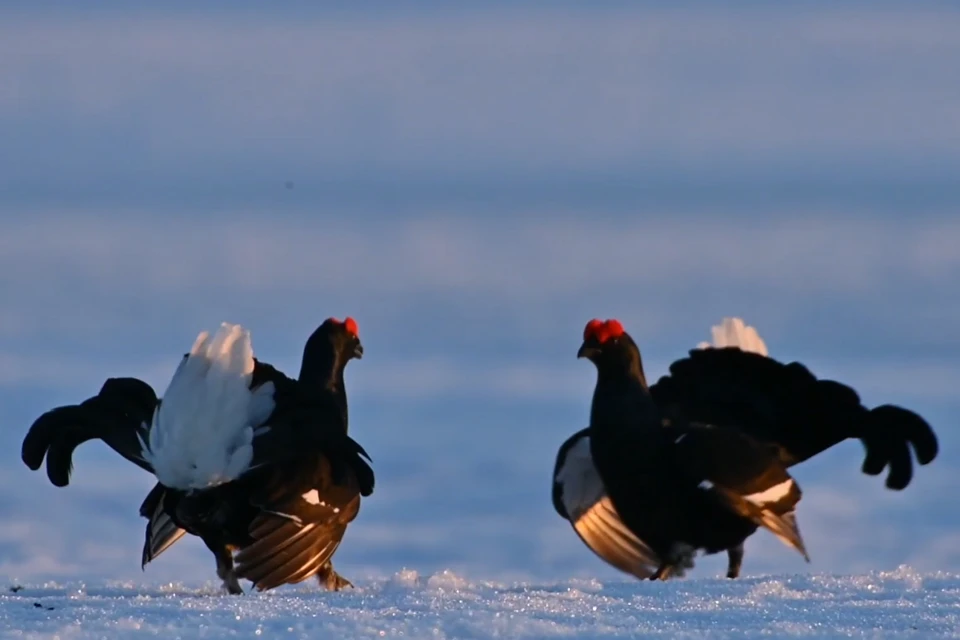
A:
x,y
202,432
114,416
787,405
887,432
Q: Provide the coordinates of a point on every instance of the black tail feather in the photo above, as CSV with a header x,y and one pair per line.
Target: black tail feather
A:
x,y
113,416
131,396
888,435
787,405
37,441
60,460
150,503
55,435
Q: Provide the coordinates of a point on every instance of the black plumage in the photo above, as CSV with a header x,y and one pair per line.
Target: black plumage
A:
x,y
787,405
783,411
305,456
285,519
115,415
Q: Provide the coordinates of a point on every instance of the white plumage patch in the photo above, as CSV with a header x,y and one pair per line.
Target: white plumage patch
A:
x,y
772,495
202,431
734,332
582,486
594,517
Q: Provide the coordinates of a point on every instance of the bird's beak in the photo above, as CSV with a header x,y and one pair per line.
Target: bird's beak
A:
x,y
586,351
358,351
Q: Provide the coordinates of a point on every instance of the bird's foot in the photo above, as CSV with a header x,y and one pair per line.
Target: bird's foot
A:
x,y
231,585
331,580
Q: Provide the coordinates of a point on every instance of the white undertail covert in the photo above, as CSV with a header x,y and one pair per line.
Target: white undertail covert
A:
x,y
734,332
202,432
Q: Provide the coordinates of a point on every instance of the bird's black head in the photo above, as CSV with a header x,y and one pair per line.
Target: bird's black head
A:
x,y
343,336
330,348
609,347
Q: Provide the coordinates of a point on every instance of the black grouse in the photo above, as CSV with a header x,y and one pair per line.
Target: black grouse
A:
x,y
280,490
783,407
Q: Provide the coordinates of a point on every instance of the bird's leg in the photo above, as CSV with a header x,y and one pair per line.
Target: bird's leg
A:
x,y
330,579
676,562
225,572
735,560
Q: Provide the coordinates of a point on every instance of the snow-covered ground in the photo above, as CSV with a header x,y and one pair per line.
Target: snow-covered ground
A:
x,y
903,603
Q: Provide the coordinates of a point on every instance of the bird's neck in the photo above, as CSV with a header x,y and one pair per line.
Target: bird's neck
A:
x,y
622,400
325,373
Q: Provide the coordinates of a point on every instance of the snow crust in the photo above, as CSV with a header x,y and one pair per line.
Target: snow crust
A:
x,y
896,604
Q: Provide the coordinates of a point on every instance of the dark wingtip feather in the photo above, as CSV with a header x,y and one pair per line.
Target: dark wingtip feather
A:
x,y
365,478
362,472
360,467
363,452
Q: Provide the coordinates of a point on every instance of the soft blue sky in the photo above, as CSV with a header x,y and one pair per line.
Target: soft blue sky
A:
x,y
472,185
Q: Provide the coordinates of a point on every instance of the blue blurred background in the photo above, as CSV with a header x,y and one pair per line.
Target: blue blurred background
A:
x,y
473,183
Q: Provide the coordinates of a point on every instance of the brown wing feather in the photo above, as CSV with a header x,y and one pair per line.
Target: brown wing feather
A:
x,y
299,528
602,530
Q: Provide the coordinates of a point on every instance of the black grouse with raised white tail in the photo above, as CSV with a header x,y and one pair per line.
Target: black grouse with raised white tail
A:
x,y
248,459
783,407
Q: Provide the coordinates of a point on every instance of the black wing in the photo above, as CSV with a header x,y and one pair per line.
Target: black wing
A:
x,y
303,517
114,415
787,405
312,424
746,476
303,420
580,497
702,486
310,476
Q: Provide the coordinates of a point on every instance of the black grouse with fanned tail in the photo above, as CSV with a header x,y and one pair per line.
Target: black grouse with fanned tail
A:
x,y
680,487
783,411
285,519
302,457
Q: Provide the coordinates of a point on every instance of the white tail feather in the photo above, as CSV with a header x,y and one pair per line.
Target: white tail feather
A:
x,y
734,332
202,432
